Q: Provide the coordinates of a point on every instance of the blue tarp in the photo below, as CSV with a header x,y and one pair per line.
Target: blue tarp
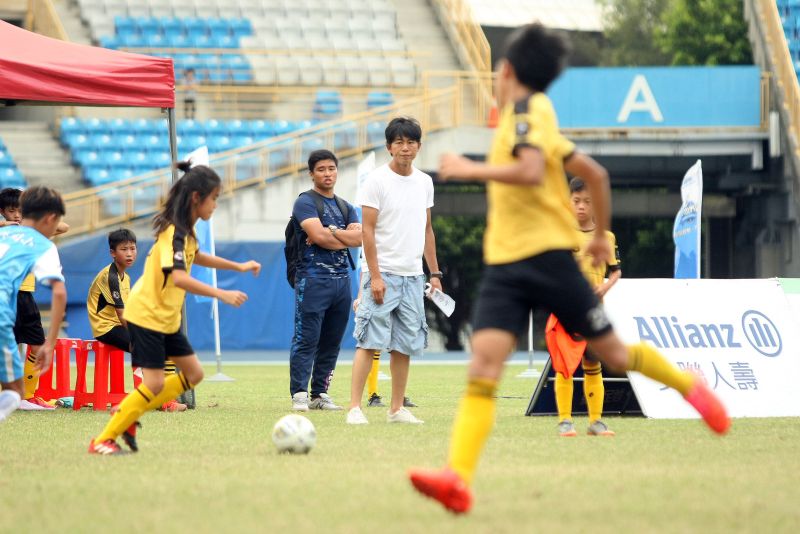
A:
x,y
264,322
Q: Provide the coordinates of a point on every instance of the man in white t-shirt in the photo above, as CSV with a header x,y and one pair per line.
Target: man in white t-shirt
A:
x,y
396,203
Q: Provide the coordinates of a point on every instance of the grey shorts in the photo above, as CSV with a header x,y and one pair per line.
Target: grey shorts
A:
x,y
399,323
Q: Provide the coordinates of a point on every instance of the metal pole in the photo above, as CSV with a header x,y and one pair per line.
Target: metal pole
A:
x,y
530,372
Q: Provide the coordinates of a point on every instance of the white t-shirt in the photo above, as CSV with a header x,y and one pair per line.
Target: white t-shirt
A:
x,y
402,203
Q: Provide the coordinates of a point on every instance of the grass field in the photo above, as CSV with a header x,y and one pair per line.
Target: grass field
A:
x,y
215,469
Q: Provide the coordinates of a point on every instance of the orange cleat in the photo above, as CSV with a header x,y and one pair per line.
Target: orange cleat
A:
x,y
108,447
173,406
709,406
444,486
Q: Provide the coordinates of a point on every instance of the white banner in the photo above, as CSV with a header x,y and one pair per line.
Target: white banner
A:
x,y
741,335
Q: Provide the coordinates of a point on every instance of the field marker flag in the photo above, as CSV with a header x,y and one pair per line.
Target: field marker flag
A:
x,y
204,230
686,231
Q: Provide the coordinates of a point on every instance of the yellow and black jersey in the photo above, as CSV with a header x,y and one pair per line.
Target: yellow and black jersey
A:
x,y
155,302
526,220
28,283
108,292
595,275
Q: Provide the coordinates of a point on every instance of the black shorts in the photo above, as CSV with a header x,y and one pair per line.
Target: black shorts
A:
x,y
117,337
150,348
551,281
28,325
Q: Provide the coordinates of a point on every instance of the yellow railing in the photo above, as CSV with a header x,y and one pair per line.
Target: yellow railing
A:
x,y
468,33
285,156
43,19
764,13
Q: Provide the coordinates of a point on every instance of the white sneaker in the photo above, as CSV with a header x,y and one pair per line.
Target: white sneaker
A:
x,y
356,417
34,404
9,401
403,416
323,402
300,401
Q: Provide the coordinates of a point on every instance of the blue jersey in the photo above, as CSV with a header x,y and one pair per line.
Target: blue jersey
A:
x,y
22,250
319,262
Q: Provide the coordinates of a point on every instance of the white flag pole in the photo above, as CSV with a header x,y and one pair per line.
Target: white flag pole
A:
x,y
219,376
530,372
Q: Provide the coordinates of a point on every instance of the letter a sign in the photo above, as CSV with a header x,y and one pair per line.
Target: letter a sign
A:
x,y
640,99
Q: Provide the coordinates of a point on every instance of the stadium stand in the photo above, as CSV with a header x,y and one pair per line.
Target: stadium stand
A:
x,y
9,173
790,18
302,42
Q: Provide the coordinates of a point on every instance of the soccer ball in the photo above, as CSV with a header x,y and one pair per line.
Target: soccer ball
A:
x,y
294,434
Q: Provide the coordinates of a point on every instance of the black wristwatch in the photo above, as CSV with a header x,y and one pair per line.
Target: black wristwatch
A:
x,y
437,274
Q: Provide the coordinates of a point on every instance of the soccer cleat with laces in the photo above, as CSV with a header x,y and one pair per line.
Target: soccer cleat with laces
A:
x,y
108,447
444,486
566,429
708,406
375,401
173,406
35,404
408,403
599,428
323,402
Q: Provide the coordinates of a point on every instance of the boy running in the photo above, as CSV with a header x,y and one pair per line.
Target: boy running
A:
x,y
26,248
528,246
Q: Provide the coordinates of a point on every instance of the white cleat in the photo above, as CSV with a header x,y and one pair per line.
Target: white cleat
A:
x,y
323,402
300,401
403,416
356,417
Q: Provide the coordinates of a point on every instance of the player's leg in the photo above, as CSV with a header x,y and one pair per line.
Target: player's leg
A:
x,y
408,340
29,333
10,374
594,391
310,306
564,388
372,381
334,324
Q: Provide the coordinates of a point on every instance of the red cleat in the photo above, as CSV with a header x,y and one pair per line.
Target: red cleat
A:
x,y
444,486
173,406
108,447
708,406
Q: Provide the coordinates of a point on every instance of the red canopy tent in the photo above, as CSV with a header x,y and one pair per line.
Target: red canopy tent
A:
x,y
38,69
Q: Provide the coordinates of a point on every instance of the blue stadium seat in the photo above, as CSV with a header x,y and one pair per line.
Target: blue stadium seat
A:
x,y
261,129
242,76
124,26
376,99
375,133
110,41
11,177
146,26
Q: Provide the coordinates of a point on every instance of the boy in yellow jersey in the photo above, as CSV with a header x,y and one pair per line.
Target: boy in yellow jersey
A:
x,y
153,309
106,302
28,329
593,388
530,236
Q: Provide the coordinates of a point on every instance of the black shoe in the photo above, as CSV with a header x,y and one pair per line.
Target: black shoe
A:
x,y
375,401
407,403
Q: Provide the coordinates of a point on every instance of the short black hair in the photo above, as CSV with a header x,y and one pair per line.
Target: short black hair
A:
x,y
9,198
39,201
537,54
117,237
320,155
187,71
576,185
403,127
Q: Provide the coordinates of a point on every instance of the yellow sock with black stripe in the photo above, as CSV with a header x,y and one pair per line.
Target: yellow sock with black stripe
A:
x,y
593,389
473,423
30,378
563,390
169,367
648,361
140,401
372,379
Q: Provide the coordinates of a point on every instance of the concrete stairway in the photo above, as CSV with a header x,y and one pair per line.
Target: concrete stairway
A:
x,y
38,155
423,34
69,13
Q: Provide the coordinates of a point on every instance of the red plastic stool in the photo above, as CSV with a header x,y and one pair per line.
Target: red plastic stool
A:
x,y
108,360
60,365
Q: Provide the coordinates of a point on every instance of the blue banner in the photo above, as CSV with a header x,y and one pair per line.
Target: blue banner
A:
x,y
658,97
686,232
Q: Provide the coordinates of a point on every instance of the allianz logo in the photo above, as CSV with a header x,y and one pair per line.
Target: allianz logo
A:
x,y
755,328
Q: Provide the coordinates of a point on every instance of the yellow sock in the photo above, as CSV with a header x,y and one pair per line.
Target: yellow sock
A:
x,y
140,401
593,389
563,390
169,367
474,420
372,379
30,379
648,361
